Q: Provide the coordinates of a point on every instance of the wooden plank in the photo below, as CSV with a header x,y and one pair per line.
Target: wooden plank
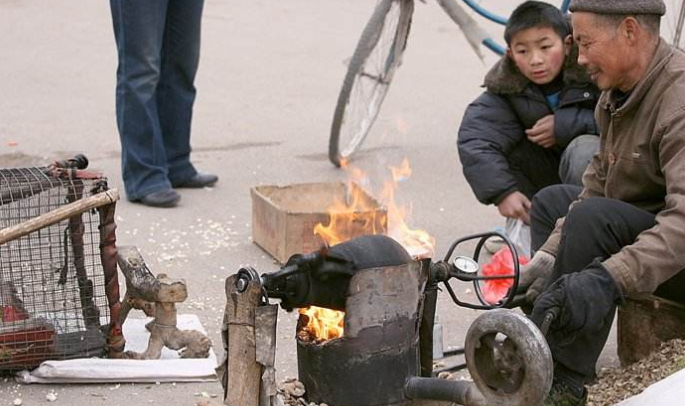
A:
x,y
57,215
243,370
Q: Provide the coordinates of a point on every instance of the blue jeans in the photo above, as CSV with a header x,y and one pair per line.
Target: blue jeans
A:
x,y
158,43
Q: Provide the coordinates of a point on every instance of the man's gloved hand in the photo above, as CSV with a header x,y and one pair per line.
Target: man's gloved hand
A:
x,y
582,301
534,275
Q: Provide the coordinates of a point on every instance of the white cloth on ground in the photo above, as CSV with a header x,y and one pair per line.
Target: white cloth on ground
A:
x,y
666,392
169,368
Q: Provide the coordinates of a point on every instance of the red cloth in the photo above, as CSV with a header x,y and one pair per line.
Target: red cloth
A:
x,y
502,263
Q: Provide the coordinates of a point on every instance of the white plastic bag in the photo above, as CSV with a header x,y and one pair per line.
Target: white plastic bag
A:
x,y
519,234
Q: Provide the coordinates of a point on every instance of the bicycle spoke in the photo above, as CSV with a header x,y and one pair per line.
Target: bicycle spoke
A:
x,y
386,40
361,114
372,77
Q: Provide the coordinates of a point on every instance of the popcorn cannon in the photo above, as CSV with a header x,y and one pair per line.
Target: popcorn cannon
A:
x,y
385,354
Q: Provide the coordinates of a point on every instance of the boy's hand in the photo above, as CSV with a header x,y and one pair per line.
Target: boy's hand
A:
x,y
542,132
515,206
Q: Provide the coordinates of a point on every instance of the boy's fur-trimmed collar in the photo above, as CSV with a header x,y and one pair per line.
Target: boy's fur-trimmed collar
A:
x,y
505,77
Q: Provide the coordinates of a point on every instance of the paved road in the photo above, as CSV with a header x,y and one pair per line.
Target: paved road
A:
x,y
269,77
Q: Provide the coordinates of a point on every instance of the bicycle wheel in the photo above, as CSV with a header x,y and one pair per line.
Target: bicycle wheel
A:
x,y
378,54
672,23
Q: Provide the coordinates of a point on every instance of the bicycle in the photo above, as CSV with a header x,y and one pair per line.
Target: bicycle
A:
x,y
379,51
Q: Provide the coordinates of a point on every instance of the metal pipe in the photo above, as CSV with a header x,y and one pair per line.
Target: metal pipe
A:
x,y
461,392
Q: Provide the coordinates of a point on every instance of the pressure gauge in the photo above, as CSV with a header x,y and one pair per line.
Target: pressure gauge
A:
x,y
466,265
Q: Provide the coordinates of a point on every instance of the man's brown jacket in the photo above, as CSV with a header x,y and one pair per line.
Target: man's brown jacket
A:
x,y
641,161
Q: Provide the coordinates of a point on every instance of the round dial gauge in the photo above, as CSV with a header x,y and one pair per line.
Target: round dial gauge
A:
x,y
466,264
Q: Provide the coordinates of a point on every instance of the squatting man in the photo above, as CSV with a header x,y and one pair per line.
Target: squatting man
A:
x,y
623,231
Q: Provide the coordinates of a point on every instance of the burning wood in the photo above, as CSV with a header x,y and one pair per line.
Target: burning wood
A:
x,y
320,324
355,214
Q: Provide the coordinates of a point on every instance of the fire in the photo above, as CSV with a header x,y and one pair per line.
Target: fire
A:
x,y
323,324
355,214
417,242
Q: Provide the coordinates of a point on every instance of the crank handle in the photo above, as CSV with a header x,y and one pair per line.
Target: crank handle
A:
x,y
550,316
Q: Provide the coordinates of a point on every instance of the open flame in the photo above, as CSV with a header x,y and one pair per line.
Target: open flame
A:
x,y
417,242
322,323
355,213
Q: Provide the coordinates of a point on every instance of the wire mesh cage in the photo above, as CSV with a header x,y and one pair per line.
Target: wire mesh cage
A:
x,y
57,285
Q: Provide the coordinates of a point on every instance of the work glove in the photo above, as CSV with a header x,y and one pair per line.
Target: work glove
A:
x,y
534,275
580,300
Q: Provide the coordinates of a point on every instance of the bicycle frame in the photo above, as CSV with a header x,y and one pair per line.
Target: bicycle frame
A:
x,y
489,42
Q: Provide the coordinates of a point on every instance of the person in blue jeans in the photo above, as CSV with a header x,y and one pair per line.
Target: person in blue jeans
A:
x,y
158,43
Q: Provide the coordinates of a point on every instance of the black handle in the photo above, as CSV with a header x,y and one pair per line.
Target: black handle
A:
x,y
550,316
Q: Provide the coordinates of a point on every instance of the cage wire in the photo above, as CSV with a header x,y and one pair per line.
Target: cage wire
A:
x,y
53,303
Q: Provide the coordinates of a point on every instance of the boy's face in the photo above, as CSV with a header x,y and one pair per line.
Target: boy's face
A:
x,y
539,54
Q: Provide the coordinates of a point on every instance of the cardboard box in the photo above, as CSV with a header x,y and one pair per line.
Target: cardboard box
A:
x,y
284,217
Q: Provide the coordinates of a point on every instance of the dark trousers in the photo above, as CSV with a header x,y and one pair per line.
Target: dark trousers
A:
x,y
595,228
158,44
535,167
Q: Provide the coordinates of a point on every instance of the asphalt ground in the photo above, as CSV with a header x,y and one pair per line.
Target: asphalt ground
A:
x,y
269,78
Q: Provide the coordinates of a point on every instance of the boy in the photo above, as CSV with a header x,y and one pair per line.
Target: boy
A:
x,y
534,125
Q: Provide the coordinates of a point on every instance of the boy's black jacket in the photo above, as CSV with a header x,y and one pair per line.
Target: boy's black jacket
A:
x,y
496,121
